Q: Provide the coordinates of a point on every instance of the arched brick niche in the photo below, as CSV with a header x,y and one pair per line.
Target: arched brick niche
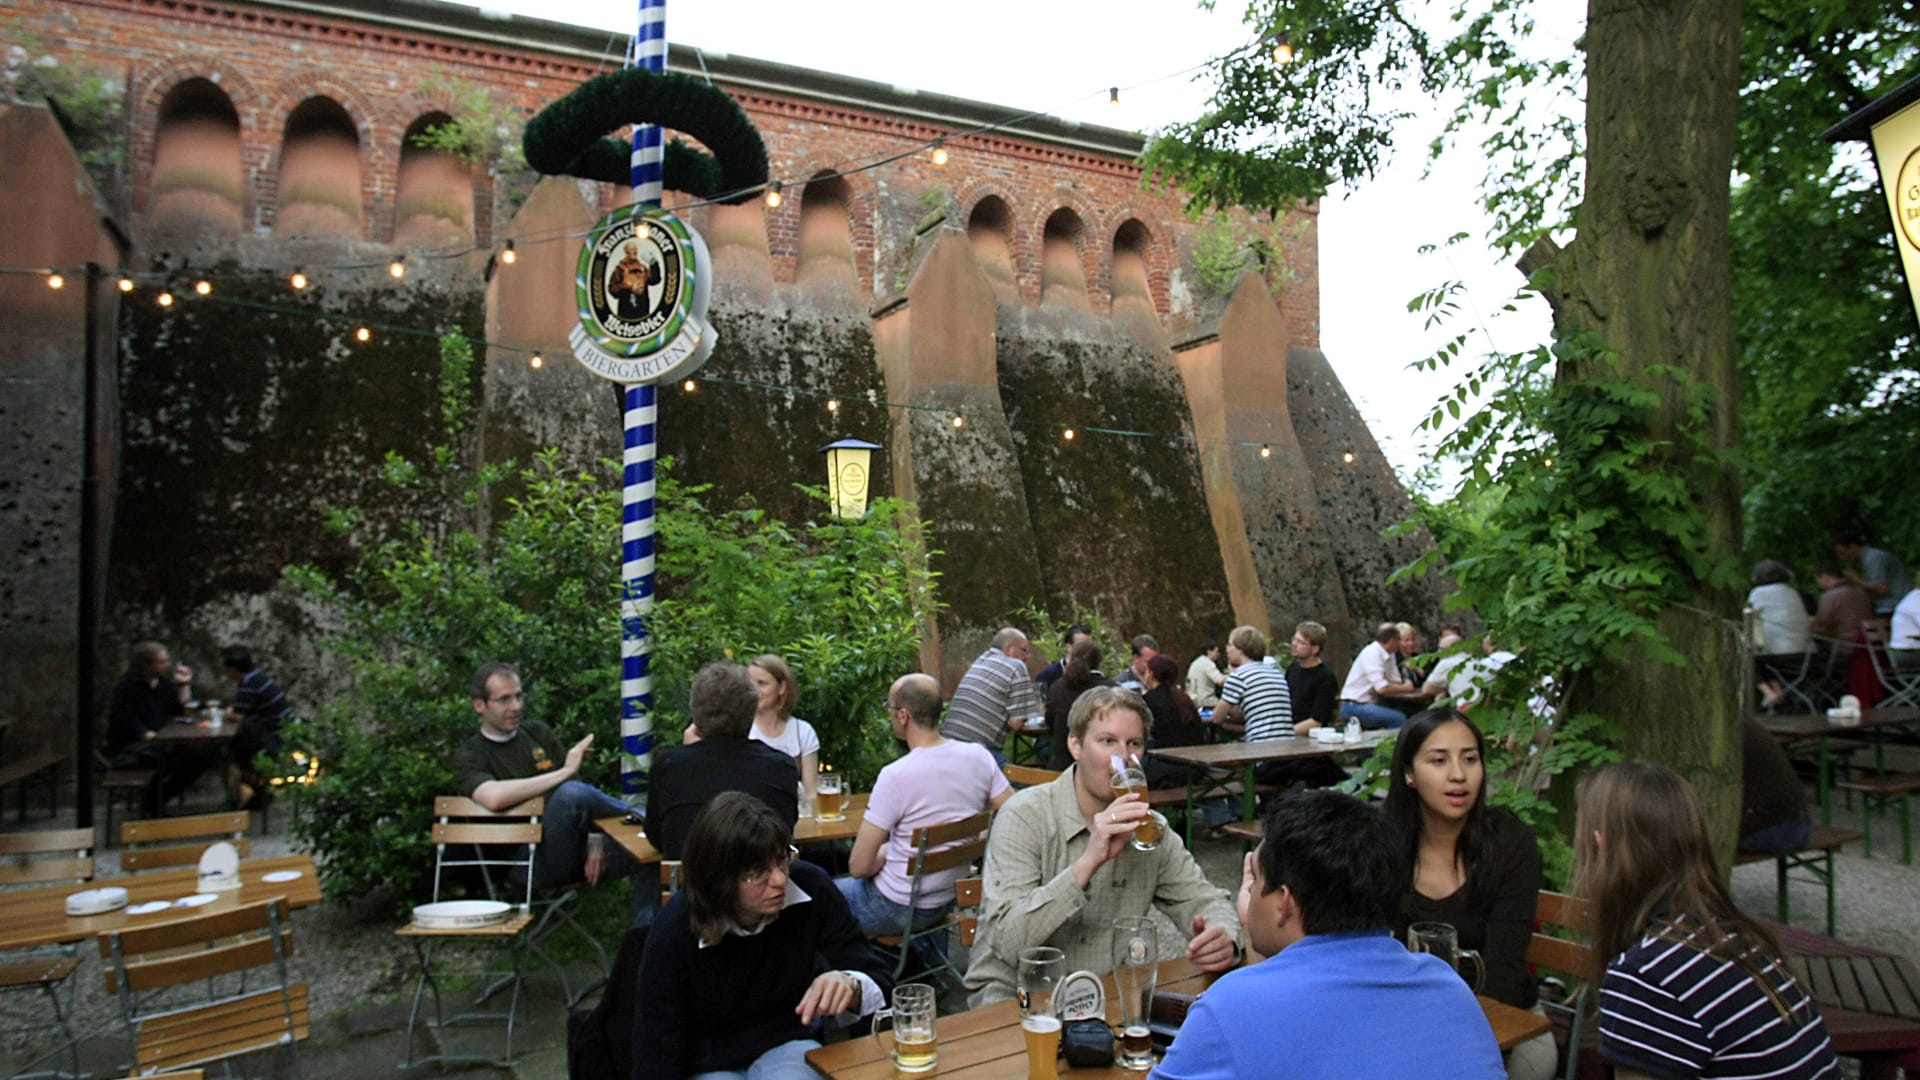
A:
x,y
1132,252
433,191
990,229
1063,275
198,181
319,191
825,257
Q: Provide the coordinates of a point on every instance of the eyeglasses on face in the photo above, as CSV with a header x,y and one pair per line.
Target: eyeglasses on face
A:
x,y
783,864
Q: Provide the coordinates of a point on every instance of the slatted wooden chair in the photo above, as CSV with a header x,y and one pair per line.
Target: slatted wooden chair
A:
x,y
1027,776
225,951
1571,959
120,785
935,848
469,839
51,856
167,842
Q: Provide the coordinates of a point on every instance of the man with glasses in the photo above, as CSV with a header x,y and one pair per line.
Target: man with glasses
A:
x,y
511,759
995,696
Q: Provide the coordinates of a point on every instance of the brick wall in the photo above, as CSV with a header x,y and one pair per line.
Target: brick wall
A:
x,y
270,57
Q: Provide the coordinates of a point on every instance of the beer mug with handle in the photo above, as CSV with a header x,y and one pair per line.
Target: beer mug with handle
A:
x,y
1443,941
1135,968
1041,969
916,1045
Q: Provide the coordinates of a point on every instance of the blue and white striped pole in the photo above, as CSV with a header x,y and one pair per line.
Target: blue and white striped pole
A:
x,y
637,480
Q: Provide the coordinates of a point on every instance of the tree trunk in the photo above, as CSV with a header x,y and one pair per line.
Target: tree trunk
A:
x,y
1649,274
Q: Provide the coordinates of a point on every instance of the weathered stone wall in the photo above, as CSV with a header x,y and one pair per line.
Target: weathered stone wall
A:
x,y
50,217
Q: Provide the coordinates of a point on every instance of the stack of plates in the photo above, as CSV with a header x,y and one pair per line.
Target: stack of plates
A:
x,y
96,901
460,914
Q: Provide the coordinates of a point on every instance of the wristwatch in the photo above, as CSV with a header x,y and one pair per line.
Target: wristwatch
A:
x,y
853,984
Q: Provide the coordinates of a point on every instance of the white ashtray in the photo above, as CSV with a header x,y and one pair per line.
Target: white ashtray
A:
x,y
96,901
460,914
1327,734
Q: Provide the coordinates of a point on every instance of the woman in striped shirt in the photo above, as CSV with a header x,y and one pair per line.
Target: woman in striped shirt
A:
x,y
1694,987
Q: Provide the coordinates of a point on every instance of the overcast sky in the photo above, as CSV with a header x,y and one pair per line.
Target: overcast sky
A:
x,y
1060,56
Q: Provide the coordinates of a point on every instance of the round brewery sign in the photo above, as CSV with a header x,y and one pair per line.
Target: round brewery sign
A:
x,y
642,285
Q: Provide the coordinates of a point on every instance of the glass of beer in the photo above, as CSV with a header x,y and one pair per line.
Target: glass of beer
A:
x,y
1443,941
832,803
1135,968
1130,778
916,1047
1041,969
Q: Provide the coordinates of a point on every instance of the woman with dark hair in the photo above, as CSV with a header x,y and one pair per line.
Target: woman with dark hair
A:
x,y
1693,986
1081,674
1475,866
748,961
1176,720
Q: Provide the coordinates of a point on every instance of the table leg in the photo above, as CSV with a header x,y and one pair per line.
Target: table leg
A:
x,y
1250,801
1823,781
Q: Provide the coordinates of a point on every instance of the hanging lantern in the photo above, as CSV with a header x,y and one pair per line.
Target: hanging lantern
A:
x,y
848,472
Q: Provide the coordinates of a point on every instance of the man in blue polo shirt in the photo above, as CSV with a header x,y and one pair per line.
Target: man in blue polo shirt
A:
x,y
1318,898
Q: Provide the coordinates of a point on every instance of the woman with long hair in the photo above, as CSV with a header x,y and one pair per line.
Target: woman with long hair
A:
x,y
1475,866
1694,986
1081,674
775,724
747,962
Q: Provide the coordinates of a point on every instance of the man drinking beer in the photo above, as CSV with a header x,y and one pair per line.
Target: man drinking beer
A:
x,y
1060,867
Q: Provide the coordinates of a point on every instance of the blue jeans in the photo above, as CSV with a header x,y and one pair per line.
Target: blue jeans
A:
x,y
788,1061
562,856
877,913
1372,716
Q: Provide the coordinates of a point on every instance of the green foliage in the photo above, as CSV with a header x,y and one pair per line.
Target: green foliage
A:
x,y
1227,248
484,130
1830,398
90,105
430,600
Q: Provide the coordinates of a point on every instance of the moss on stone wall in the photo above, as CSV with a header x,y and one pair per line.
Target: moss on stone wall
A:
x,y
1121,522
250,413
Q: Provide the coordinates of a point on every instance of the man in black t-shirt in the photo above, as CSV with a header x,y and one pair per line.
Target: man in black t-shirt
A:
x,y
686,778
1314,688
512,759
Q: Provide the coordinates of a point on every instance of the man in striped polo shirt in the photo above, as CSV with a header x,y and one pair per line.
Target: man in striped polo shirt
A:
x,y
259,707
996,695
1255,698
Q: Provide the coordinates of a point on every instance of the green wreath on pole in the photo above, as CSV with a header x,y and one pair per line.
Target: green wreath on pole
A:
x,y
566,138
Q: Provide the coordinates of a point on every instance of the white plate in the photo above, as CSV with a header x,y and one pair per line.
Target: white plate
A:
x,y
460,914
96,901
196,900
149,907
279,876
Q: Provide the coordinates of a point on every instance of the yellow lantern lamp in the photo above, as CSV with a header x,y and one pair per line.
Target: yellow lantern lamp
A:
x,y
849,468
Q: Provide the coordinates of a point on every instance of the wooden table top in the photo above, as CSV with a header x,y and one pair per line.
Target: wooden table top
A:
x,y
808,830
986,1042
1819,725
197,732
38,916
1838,974
1236,754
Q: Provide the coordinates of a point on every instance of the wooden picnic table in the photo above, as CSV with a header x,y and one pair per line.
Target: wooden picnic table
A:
x,y
986,1042
1246,756
38,916
1023,743
1798,727
1868,998
808,830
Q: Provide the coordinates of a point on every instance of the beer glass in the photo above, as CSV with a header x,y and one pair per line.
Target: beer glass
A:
x,y
1135,967
1443,941
832,803
916,1047
1130,778
1041,969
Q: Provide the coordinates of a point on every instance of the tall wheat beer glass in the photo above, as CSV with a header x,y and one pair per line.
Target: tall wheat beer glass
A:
x,y
1041,969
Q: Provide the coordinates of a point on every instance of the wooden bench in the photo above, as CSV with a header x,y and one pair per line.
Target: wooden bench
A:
x,y
1250,831
1885,792
42,767
1815,857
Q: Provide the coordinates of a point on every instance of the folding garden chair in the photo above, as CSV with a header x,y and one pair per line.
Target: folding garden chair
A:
x,y
935,848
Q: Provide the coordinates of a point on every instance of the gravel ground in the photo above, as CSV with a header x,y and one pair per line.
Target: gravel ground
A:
x,y
361,974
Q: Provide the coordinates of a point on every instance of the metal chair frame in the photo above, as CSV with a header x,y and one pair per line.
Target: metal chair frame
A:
x,y
936,848
70,859
1572,958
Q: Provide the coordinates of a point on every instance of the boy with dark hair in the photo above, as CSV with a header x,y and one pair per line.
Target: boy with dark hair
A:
x,y
1318,898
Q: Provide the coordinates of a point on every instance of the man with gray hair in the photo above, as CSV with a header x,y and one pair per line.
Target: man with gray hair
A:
x,y
685,778
995,696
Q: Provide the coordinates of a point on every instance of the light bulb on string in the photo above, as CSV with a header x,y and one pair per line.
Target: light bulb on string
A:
x,y
507,255
689,386
773,195
1549,463
1282,50
939,152
1347,457
55,281
1067,434
203,287
959,422
1266,451
363,335
126,284
298,280
397,269
536,362
833,405
165,299
1113,95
